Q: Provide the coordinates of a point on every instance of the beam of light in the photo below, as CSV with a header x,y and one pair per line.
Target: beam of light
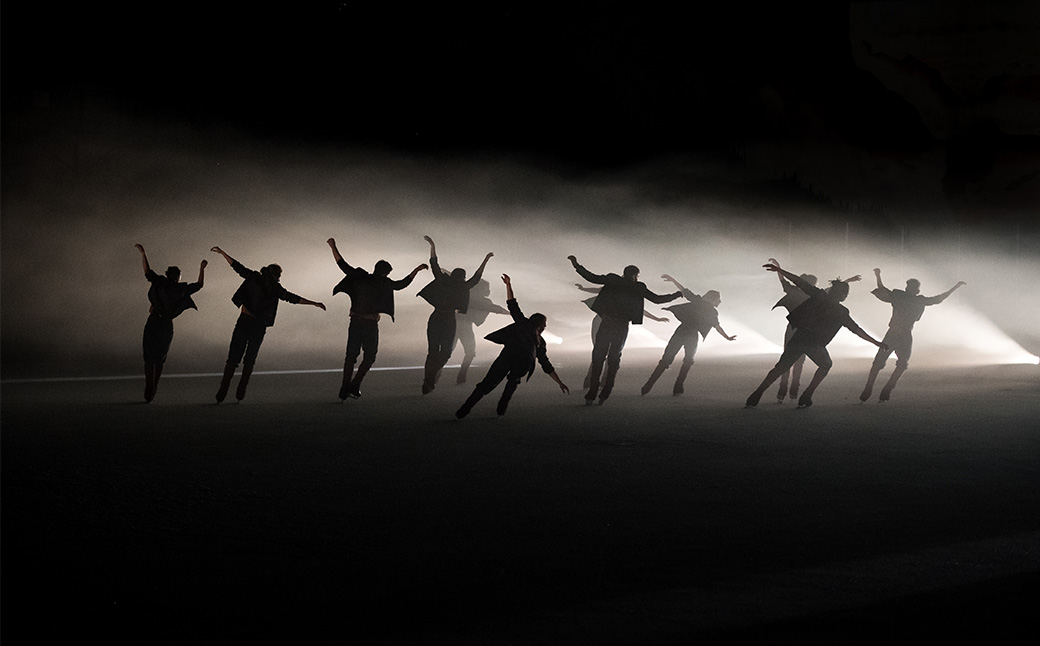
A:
x,y
552,339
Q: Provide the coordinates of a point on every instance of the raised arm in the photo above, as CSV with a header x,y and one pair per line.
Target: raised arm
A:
x,y
228,258
433,257
335,252
509,287
144,259
202,273
585,273
475,278
877,275
407,280
779,276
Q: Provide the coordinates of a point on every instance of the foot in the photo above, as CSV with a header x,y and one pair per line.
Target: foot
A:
x,y
782,393
344,392
645,389
794,392
678,390
885,394
602,400
426,388
590,402
462,412
752,399
805,401
354,392
865,395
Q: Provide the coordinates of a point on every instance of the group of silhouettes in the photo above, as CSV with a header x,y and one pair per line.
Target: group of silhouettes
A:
x,y
459,303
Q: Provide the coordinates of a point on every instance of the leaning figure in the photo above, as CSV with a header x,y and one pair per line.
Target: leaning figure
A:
x,y
698,316
168,298
815,321
257,297
522,345
370,295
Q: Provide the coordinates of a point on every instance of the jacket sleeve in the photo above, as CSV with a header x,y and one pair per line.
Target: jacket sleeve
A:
x,y
543,359
242,270
514,310
589,276
288,296
660,298
344,267
398,285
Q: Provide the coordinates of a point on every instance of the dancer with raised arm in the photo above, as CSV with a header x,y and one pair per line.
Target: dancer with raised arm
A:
x,y
370,295
816,321
522,345
620,302
480,306
448,293
596,320
793,297
167,298
697,316
257,297
907,308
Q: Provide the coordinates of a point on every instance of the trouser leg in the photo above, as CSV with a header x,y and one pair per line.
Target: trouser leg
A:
x,y
787,359
225,381
680,379
796,375
507,394
496,373
149,381
886,392
667,357
243,381
822,359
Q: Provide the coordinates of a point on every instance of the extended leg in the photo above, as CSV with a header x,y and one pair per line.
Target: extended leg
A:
x,y
225,381
822,359
875,369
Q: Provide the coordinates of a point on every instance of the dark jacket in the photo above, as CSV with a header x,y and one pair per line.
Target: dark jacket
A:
x,y
260,294
521,338
697,313
622,298
169,298
820,316
907,309
369,294
447,294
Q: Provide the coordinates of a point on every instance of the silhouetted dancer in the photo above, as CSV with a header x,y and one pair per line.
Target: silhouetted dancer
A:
x,y
596,320
907,307
523,344
619,302
793,297
698,316
448,293
168,298
370,295
479,308
816,321
258,297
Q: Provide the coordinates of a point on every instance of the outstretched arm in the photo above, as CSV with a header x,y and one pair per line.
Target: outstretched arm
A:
x,y
853,279
585,273
144,259
861,333
718,328
668,278
228,258
304,301
798,281
942,297
659,319
590,290
335,252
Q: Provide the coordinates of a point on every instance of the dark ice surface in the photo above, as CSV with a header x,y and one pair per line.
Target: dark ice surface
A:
x,y
657,519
